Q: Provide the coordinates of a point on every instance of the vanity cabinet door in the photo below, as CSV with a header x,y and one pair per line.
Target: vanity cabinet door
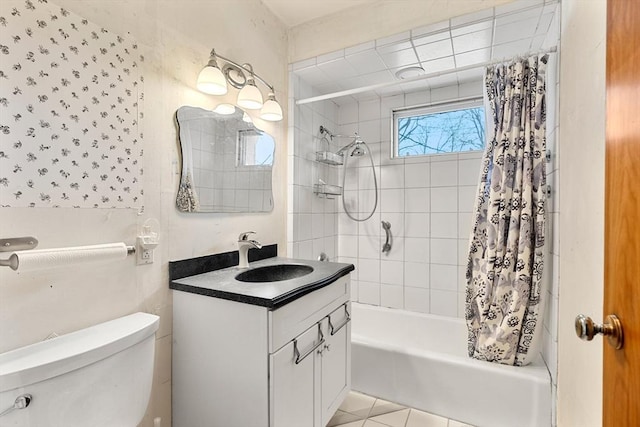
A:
x,y
335,362
292,381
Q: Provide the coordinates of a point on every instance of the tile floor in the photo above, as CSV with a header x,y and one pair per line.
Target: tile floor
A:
x,y
360,410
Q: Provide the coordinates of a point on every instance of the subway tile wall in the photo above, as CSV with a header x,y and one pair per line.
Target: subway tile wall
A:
x,y
312,224
427,200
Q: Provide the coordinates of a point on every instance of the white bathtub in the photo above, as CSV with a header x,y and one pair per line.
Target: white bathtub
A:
x,y
420,360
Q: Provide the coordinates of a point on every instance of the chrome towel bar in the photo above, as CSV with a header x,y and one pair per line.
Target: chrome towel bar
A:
x,y
296,352
346,320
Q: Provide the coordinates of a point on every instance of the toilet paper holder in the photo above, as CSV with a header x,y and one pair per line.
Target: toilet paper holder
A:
x,y
18,244
27,243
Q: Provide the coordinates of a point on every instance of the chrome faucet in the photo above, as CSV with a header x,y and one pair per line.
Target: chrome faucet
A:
x,y
244,244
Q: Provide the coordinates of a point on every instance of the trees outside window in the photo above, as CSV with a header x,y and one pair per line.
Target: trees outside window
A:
x,y
420,132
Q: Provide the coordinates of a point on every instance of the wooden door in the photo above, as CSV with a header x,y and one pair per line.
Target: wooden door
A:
x,y
621,385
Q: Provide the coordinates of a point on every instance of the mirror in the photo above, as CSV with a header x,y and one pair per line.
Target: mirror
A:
x,y
226,162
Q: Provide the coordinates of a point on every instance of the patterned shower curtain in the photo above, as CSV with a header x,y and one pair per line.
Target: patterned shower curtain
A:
x,y
504,269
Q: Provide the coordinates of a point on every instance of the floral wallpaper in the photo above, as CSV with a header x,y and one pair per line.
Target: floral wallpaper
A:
x,y
70,107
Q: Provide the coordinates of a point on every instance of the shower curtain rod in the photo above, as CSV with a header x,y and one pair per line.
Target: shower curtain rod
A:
x,y
411,79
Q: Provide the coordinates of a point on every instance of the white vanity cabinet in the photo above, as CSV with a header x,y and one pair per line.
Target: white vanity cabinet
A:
x,y
310,376
244,365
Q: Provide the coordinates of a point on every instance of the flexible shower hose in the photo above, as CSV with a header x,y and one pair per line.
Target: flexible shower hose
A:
x,y
375,184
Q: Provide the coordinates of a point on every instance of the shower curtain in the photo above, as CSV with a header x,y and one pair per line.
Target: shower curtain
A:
x,y
504,269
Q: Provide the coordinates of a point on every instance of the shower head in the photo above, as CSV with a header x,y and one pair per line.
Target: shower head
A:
x,y
341,151
358,151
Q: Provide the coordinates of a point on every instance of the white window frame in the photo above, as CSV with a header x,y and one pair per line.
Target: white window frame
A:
x,y
424,110
241,148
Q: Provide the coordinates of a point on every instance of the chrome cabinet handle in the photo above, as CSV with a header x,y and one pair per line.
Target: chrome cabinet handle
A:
x,y
387,244
341,325
296,352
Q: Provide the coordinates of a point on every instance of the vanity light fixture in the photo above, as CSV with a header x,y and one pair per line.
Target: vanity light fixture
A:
x,y
225,109
250,96
213,80
271,110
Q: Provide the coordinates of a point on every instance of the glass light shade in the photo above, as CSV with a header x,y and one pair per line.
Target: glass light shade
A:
x,y
250,97
225,109
246,118
271,110
212,81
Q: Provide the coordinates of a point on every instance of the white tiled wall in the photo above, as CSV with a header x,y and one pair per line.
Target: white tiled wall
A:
x,y
427,200
312,224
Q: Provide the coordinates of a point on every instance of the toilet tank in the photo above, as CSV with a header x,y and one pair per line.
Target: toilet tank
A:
x,y
99,376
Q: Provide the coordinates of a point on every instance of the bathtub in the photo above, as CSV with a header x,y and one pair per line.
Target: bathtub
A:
x,y
420,360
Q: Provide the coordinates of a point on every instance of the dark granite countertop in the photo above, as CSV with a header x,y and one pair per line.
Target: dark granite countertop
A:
x,y
222,283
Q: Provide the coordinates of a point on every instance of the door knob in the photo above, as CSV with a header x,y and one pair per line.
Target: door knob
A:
x,y
586,329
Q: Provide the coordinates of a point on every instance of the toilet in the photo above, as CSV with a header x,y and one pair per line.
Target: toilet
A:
x,y
99,376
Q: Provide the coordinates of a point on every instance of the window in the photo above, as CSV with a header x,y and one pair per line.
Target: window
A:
x,y
448,128
255,148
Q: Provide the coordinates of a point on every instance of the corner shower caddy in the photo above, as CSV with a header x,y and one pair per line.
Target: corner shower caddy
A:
x,y
326,190
322,189
329,158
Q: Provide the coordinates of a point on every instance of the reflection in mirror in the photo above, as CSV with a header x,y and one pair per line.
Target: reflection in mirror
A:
x,y
226,162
